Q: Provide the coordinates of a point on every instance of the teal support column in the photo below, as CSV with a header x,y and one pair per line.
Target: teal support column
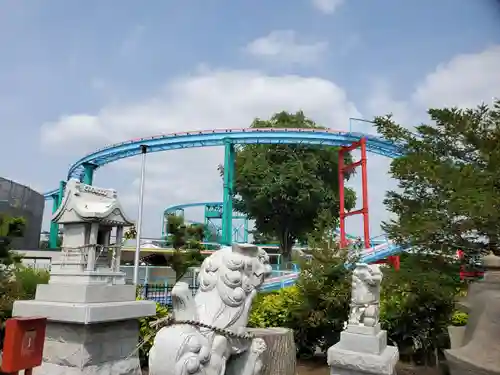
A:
x,y
245,231
227,199
206,222
88,173
54,227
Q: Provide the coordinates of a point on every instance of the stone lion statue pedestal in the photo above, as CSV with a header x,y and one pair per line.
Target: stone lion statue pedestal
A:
x,y
363,348
207,333
479,352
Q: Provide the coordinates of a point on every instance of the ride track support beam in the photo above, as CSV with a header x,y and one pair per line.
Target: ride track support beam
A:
x,y
227,198
88,173
54,227
394,260
343,168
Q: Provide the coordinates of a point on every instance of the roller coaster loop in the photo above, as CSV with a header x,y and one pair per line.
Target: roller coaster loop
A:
x,y
84,168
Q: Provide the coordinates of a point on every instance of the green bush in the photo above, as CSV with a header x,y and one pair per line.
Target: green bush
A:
x,y
148,333
459,319
315,308
274,309
417,303
29,278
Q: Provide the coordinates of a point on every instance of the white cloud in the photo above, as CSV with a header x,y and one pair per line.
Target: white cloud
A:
x,y
132,40
232,99
464,81
207,100
327,6
284,46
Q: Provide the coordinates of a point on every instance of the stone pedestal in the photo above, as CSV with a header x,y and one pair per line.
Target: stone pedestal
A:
x,y
479,352
91,329
363,350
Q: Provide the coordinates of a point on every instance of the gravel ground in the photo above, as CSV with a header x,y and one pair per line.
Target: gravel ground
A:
x,y
320,368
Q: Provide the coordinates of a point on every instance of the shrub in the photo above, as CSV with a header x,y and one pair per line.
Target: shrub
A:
x,y
29,278
417,304
148,333
459,319
274,309
324,287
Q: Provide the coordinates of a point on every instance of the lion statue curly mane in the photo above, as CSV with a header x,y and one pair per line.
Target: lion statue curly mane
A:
x,y
209,328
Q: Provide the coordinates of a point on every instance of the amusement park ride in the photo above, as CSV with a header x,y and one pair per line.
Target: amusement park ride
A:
x,y
375,251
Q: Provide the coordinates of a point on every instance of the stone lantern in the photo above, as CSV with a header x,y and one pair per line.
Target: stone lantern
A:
x,y
479,352
92,314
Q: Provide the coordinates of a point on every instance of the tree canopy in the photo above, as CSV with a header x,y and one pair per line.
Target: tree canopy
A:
x,y
287,189
186,241
10,289
449,186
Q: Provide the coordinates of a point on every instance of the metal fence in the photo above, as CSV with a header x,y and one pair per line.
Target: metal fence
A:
x,y
160,293
20,201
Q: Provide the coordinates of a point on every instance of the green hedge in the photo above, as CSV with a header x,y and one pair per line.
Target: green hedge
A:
x,y
147,333
417,305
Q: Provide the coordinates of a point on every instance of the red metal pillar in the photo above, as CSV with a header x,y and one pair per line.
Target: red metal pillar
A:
x,y
364,185
393,260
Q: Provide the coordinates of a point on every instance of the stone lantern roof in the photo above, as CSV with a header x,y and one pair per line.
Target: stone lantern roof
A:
x,y
86,203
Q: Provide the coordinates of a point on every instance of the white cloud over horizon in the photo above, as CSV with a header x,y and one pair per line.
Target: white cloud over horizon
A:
x,y
285,46
327,6
232,99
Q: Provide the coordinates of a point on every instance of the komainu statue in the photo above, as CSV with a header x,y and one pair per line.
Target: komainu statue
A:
x,y
365,297
206,334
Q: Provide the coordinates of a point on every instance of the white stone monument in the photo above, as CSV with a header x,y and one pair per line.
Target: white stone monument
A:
x,y
92,315
207,333
363,348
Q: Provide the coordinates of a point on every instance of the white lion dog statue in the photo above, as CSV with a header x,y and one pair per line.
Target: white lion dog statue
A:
x,y
206,334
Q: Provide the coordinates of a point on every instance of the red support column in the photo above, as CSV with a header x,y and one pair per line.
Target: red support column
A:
x,y
343,239
364,184
393,260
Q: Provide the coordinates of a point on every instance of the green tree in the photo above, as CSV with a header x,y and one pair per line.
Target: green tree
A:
x,y
186,241
260,238
131,233
449,190
10,287
286,189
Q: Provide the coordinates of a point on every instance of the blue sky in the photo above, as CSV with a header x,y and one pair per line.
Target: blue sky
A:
x,y
77,75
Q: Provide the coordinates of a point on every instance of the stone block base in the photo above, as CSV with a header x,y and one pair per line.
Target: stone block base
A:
x,y
348,362
85,313
128,366
355,342
104,349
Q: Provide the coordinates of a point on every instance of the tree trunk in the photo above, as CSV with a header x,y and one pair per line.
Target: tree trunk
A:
x,y
286,248
280,356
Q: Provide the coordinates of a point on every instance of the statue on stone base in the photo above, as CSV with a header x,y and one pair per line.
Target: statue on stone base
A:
x,y
365,298
206,330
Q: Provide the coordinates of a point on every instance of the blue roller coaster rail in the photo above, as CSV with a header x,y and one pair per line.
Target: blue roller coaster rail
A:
x,y
371,255
84,168
213,210
212,216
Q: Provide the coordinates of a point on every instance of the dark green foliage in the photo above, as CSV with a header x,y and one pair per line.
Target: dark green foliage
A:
x,y
449,191
417,305
10,288
131,233
324,287
16,282
186,240
148,333
286,189
30,278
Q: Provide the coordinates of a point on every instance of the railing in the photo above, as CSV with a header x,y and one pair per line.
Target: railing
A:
x,y
160,293
91,256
